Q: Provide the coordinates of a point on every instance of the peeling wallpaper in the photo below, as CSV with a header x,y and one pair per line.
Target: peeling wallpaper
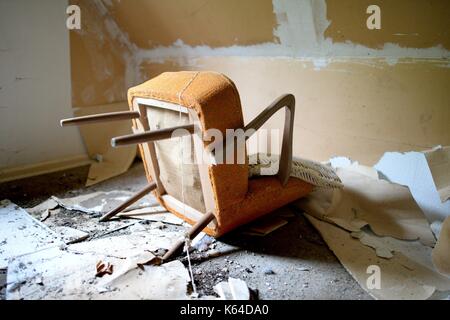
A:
x,y
376,90
216,23
100,56
357,108
407,23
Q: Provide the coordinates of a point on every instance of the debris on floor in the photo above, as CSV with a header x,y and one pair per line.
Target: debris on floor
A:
x,y
399,277
47,205
233,289
167,281
381,220
202,242
71,272
268,224
441,252
265,225
102,202
96,204
73,275
214,250
103,268
21,234
70,235
2,283
45,215
57,262
373,224
156,214
47,263
90,228
366,201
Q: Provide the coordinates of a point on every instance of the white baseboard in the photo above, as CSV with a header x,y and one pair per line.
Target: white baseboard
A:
x,y
31,170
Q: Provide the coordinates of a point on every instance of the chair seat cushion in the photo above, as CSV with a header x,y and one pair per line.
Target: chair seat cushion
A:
x,y
265,194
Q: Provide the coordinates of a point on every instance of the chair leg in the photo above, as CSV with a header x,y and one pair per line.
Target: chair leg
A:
x,y
100,118
129,202
192,233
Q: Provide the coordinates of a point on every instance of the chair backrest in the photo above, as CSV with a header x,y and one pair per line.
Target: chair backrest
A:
x,y
179,172
209,100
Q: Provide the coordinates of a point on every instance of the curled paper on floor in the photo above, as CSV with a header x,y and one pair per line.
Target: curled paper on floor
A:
x,y
387,247
441,252
373,223
411,169
388,208
48,204
165,282
343,162
408,274
233,289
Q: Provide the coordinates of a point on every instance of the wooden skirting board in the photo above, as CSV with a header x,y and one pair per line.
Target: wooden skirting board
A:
x,y
30,170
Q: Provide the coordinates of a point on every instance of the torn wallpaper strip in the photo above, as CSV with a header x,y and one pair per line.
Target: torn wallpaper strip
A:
x,y
411,169
373,222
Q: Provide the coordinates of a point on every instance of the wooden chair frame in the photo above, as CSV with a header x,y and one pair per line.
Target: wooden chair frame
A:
x,y
146,138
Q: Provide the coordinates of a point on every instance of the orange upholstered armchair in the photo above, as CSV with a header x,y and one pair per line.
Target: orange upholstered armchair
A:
x,y
174,116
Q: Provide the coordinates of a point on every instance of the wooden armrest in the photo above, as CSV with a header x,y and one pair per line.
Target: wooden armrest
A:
x,y
287,101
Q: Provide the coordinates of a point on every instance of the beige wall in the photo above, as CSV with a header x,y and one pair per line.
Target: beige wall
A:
x,y
360,92
408,23
215,23
35,85
359,109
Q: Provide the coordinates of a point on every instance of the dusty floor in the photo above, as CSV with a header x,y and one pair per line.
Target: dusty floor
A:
x,y
293,262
